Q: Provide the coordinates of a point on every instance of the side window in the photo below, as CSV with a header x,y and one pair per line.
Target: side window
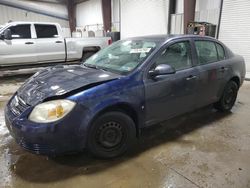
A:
x,y
20,32
221,52
46,31
177,55
206,52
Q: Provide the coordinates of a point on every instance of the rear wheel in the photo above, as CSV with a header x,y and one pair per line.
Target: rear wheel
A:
x,y
111,134
228,97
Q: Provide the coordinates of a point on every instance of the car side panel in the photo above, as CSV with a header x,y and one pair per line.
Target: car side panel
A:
x,y
236,69
170,95
212,77
126,90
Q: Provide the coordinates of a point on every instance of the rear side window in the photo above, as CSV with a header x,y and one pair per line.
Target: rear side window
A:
x,y
206,51
221,52
20,32
46,31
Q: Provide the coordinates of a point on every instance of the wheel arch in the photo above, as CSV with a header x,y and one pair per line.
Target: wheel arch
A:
x,y
236,79
124,108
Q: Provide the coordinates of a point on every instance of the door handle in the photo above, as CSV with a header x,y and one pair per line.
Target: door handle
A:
x,y
28,43
223,69
191,77
59,41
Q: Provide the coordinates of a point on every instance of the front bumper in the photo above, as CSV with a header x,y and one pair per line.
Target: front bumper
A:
x,y
65,136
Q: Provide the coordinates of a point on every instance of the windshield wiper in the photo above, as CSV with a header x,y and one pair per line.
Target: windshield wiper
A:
x,y
97,67
103,68
90,66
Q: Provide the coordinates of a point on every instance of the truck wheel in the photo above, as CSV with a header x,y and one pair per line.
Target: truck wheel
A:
x,y
111,134
228,97
86,55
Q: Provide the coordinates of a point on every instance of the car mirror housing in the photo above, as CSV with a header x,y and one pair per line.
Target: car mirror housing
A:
x,y
162,69
7,34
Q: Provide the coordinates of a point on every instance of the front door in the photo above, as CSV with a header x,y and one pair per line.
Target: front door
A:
x,y
173,94
20,49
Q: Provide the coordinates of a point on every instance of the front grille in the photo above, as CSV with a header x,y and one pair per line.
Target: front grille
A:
x,y
37,148
18,106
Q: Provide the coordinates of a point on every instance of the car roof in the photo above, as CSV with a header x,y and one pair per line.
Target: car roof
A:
x,y
167,37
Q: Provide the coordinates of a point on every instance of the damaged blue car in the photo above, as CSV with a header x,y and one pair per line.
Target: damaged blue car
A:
x,y
102,104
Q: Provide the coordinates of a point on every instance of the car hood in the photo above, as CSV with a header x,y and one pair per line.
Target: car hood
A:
x,y
60,80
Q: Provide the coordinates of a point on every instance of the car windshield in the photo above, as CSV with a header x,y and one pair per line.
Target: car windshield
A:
x,y
123,56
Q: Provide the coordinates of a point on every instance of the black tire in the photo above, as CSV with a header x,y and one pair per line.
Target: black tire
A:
x,y
228,97
111,134
86,55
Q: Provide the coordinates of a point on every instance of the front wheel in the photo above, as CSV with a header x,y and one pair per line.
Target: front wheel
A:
x,y
111,134
228,97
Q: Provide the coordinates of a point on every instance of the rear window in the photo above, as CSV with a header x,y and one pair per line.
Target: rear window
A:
x,y
221,52
46,31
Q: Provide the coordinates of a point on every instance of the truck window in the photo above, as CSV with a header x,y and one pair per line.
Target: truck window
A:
x,y
20,31
46,31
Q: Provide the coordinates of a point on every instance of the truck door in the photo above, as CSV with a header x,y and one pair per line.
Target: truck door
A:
x,y
20,49
50,44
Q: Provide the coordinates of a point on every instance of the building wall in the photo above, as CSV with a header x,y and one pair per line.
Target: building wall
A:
x,y
143,17
179,7
9,13
177,19
89,13
207,11
235,27
115,12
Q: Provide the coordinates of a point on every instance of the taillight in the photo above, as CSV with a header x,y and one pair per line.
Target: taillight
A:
x,y
110,41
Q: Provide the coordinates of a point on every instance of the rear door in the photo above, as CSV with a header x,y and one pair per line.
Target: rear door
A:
x,y
20,49
173,94
213,71
50,44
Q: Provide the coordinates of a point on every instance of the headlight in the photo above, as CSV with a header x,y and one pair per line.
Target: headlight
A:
x,y
51,111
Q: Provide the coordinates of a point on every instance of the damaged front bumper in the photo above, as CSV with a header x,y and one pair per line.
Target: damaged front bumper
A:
x,y
64,136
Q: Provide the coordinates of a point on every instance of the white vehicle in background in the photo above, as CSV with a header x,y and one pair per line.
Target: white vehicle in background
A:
x,y
33,43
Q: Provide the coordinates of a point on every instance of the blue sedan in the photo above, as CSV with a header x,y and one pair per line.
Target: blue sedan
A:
x,y
103,104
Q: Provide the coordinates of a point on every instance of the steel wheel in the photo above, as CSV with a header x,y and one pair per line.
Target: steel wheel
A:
x,y
111,134
228,98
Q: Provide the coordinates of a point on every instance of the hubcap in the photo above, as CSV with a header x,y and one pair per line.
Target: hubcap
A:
x,y
229,96
110,134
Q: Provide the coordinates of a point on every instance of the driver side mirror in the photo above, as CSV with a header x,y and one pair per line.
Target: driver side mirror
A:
x,y
162,69
6,35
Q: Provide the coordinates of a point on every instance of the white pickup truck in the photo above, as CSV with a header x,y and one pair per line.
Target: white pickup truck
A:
x,y
32,43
